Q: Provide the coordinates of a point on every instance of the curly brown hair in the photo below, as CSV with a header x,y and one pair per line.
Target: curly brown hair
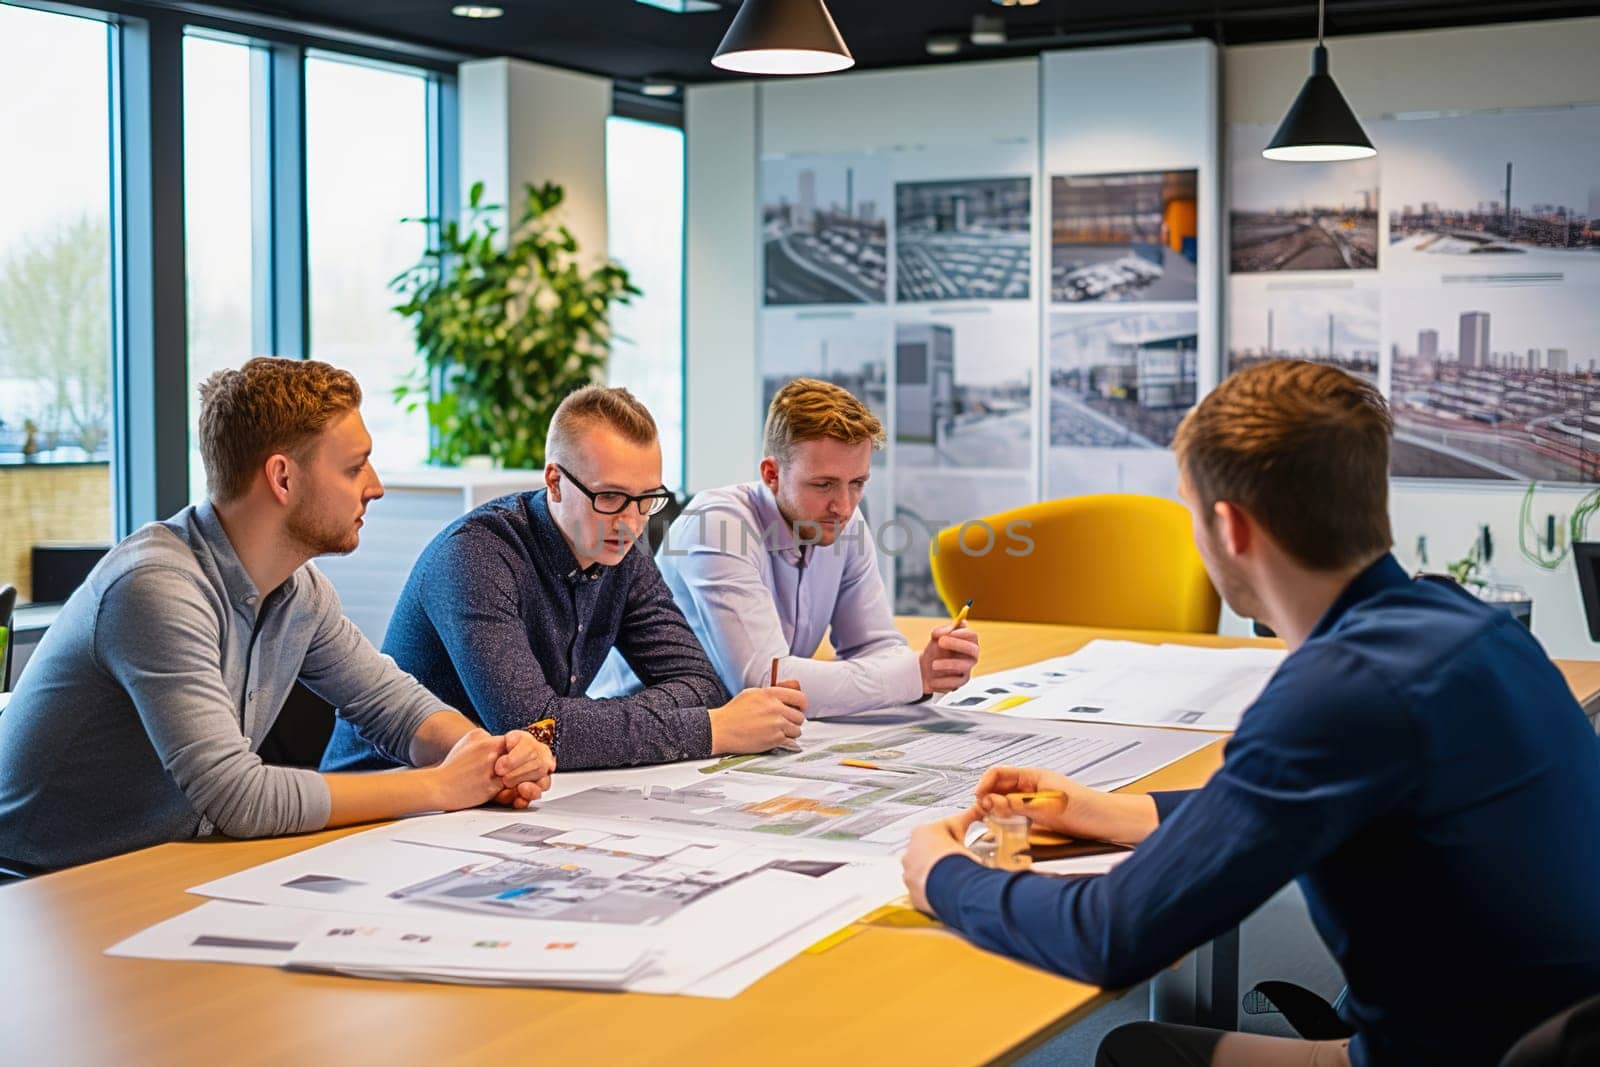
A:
x,y
267,406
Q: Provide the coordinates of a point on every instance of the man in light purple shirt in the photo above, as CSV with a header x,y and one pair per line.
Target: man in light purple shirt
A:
x,y
766,569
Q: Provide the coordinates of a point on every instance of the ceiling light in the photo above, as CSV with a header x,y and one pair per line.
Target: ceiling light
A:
x,y
1320,127
658,87
477,11
942,44
1015,3
988,30
683,7
783,37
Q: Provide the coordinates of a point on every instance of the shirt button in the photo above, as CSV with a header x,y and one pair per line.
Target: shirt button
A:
x,y
580,627
573,679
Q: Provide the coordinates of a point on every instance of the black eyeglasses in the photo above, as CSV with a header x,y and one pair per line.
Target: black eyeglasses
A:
x,y
612,503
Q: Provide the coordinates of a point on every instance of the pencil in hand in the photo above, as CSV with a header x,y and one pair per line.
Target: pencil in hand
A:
x,y
774,672
961,616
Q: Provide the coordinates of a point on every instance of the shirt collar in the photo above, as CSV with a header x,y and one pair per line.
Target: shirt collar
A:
x,y
1386,573
774,530
553,545
236,580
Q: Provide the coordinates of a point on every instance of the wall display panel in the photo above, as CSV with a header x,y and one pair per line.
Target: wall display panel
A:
x,y
824,230
1480,322
1495,193
1321,321
966,239
1118,385
1122,380
1299,216
1124,237
947,174
963,390
949,359
1496,381
1130,322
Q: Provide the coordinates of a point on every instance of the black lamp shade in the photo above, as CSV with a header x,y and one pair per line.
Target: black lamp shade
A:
x,y
1320,126
783,37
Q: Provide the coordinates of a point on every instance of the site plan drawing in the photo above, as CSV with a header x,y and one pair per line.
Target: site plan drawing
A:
x,y
871,788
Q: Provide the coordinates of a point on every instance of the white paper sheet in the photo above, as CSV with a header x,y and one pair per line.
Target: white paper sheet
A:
x,y
1128,682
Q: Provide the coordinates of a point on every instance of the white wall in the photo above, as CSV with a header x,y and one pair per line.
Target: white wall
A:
x,y
720,123
522,122
1510,66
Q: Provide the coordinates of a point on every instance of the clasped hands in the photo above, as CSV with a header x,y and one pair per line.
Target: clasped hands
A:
x,y
513,769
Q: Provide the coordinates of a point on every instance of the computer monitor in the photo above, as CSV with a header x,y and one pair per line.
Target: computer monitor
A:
x,y
1586,558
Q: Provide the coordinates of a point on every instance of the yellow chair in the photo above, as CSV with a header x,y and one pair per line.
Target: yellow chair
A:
x,y
1115,560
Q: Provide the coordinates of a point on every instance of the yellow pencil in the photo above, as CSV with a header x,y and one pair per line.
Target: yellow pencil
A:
x,y
961,616
1043,794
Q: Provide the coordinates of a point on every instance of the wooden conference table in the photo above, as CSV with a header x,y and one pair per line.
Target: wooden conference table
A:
x,y
881,994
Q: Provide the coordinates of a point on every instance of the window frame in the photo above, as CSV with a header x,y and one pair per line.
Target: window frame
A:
x,y
149,300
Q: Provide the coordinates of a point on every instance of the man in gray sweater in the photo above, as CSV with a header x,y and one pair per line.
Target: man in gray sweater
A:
x,y
137,720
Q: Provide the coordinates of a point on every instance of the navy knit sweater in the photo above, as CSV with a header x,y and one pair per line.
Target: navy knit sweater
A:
x,y
498,620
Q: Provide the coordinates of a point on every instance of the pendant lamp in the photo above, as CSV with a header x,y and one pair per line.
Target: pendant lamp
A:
x,y
783,37
1320,127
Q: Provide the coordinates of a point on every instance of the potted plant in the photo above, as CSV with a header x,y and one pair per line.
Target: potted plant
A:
x,y
506,327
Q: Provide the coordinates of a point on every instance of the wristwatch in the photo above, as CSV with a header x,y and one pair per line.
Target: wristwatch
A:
x,y
543,731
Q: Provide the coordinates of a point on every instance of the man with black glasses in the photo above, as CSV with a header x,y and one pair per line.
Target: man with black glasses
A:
x,y
512,609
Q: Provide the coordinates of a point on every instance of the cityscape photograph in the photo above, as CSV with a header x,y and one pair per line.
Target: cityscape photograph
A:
x,y
825,231
963,240
1309,216
1121,381
1123,237
963,390
1325,325
1496,382
1517,193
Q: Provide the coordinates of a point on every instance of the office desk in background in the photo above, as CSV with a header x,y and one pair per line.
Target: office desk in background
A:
x,y
881,995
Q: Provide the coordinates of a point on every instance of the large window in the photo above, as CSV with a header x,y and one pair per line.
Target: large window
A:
x,y
366,170
644,223
55,286
218,168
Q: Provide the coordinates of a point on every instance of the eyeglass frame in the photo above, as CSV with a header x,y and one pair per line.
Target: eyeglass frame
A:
x,y
662,496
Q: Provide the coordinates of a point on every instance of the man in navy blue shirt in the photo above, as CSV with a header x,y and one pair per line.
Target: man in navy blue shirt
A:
x,y
511,610
1417,764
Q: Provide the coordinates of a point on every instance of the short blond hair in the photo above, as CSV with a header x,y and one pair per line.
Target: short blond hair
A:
x,y
809,409
597,405
269,405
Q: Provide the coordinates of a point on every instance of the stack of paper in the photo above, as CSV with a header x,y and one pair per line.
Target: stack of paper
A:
x,y
525,899
1128,682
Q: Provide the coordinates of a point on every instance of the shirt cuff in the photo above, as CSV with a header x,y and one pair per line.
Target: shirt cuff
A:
x,y
1169,802
946,882
905,680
